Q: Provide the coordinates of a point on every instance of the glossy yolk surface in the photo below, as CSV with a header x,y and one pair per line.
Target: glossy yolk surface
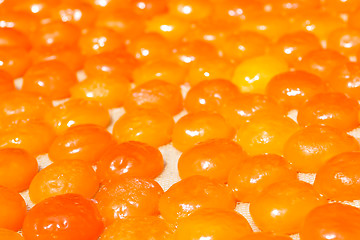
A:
x,y
51,79
13,209
210,95
64,177
109,92
150,126
17,169
240,109
249,178
331,220
338,178
134,228
282,207
198,127
48,219
293,89
165,70
266,134
155,94
76,112
212,223
214,159
128,197
330,109
130,159
193,193
86,142
309,148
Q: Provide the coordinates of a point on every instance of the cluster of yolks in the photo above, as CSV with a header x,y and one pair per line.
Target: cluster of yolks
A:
x,y
214,79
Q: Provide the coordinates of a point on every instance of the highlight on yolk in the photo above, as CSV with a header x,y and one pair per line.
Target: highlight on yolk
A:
x,y
64,177
309,148
128,197
214,159
193,193
253,75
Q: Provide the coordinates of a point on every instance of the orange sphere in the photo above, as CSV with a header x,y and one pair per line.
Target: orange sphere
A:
x,y
109,92
341,6
212,30
239,110
233,11
76,112
12,209
100,40
266,134
129,159
294,46
71,57
190,194
149,46
198,127
293,89
250,177
63,177
16,61
316,21
334,220
209,69
110,64
191,51
108,5
150,126
212,224
321,62
135,228
244,45
86,142
56,34
191,10
21,21
271,25
155,94
338,178
62,217
125,22
210,95
252,75
164,70
9,234
169,26
282,207
291,7
148,8
214,159
309,148
128,197
345,78
78,13
10,37
345,40
20,106
50,78
330,109
33,137
17,169
39,8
